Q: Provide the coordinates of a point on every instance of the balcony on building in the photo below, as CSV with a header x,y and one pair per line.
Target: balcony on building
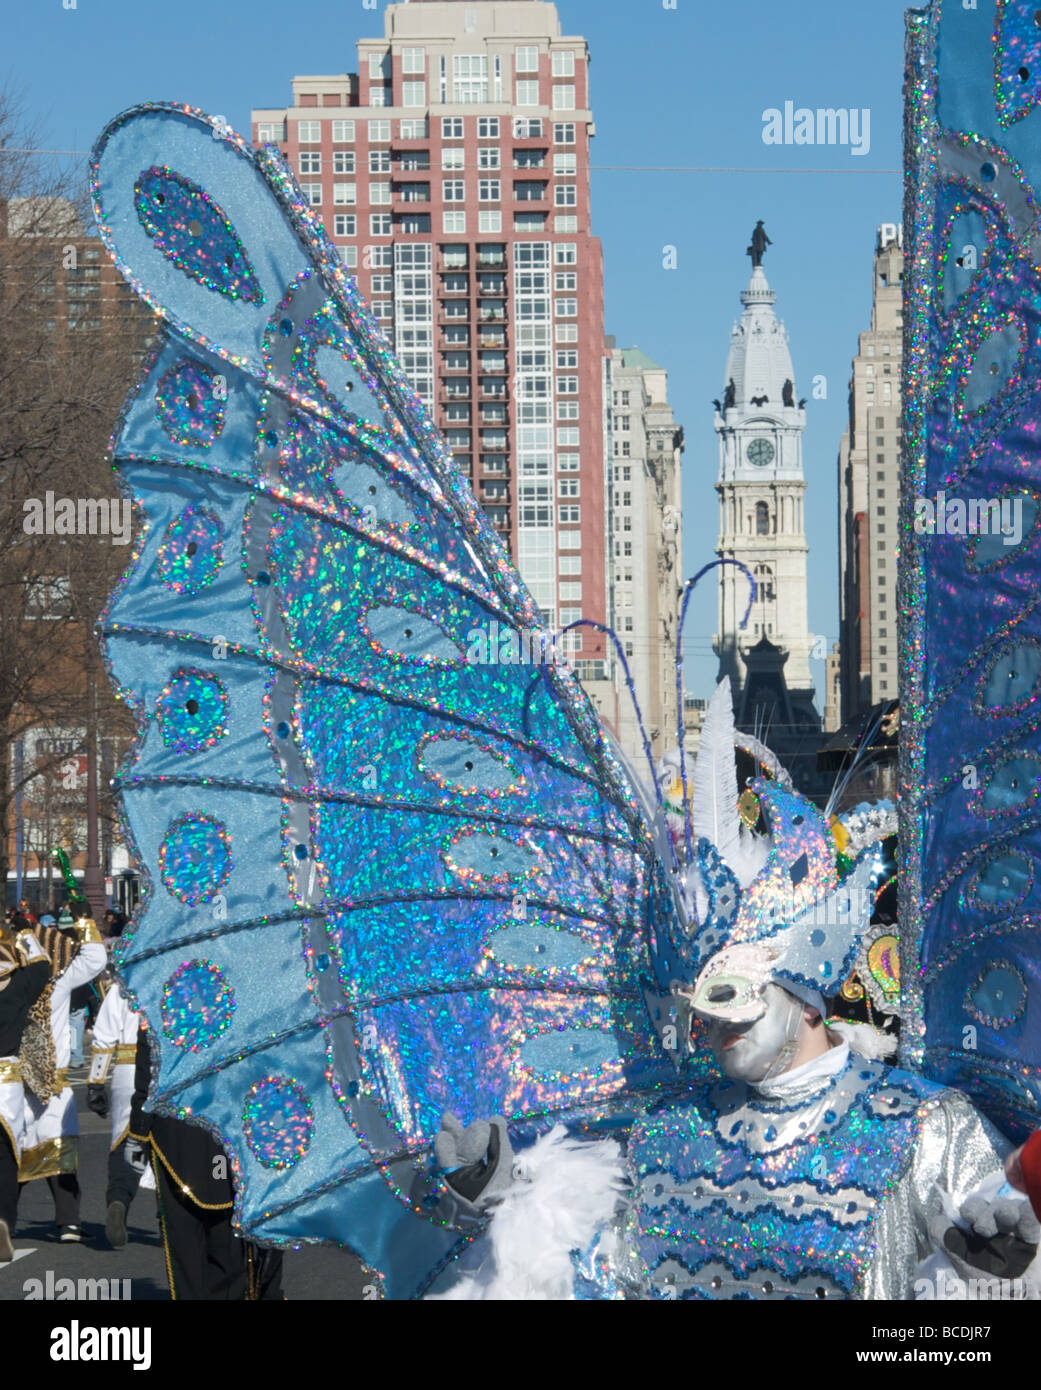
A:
x,y
455,362
492,362
529,158
491,257
493,439
492,338
455,390
410,192
492,311
493,388
491,284
452,284
412,161
494,463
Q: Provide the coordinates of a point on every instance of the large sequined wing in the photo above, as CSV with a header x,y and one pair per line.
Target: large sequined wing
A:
x,y
971,571
392,870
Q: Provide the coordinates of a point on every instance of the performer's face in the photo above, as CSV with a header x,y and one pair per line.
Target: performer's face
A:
x,y
747,1051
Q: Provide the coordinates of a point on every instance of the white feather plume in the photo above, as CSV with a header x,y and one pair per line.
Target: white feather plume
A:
x,y
869,1042
714,798
567,1192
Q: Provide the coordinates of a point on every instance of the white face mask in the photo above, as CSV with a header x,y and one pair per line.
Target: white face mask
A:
x,y
764,1049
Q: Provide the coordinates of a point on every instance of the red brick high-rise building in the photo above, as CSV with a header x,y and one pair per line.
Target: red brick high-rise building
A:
x,y
453,172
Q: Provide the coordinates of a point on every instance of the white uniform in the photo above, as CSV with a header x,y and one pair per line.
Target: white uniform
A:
x,y
52,1130
112,1058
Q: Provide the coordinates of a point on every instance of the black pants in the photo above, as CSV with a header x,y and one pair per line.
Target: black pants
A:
x,y
123,1179
204,1258
65,1189
8,1181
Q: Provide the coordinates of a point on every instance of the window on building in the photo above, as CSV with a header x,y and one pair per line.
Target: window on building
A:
x,y
270,132
489,221
413,60
564,133
565,195
469,78
565,280
379,132
379,67
564,165
529,190
451,127
343,161
488,128
310,162
413,129
453,223
309,132
526,60
565,253
380,257
349,256
529,222
762,519
563,98
345,224
413,94
378,96
568,438
527,94
343,132
567,410
380,224
379,161
489,157
563,62
313,193
529,159
567,385
568,487
489,190
453,190
527,128
453,159
567,360
565,308
566,333
379,194
569,516
382,309
622,421
345,193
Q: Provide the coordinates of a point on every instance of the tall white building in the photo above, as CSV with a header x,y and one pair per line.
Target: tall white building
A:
x,y
869,492
761,487
644,537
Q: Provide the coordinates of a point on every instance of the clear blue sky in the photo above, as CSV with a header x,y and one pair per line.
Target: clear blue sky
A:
x,y
678,87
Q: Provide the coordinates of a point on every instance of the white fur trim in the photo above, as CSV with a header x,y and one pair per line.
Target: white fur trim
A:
x,y
869,1042
568,1191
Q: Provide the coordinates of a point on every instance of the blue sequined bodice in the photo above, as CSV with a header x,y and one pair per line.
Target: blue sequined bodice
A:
x,y
738,1196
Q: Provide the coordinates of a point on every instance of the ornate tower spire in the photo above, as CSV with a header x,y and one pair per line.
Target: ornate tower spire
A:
x,y
761,489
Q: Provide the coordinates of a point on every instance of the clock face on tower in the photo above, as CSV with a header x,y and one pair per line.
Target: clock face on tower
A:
x,y
760,452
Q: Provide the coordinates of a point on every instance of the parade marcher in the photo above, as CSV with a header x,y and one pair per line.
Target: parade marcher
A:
x,y
809,1169
113,1059
24,973
204,1258
52,1122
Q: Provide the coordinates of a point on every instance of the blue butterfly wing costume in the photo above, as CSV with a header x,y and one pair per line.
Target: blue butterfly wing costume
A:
x,y
383,879
971,660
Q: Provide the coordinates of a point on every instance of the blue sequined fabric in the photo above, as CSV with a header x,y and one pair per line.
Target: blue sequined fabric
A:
x,y
971,558
735,1199
389,873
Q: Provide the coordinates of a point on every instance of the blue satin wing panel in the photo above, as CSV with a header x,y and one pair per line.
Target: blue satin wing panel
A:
x,y
971,565
391,868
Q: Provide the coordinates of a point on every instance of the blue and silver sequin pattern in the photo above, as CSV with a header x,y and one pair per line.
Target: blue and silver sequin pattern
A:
x,y
741,1197
970,673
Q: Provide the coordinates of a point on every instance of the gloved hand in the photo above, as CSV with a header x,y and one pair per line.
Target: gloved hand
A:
x,y
477,1158
97,1100
1001,1240
136,1155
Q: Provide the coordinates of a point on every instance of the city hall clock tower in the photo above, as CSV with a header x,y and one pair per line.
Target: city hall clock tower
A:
x,y
761,491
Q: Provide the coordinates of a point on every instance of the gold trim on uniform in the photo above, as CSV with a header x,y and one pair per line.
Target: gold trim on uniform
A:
x,y
88,933
49,1159
10,1070
185,1189
125,1052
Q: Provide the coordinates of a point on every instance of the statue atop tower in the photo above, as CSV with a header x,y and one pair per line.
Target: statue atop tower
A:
x,y
760,241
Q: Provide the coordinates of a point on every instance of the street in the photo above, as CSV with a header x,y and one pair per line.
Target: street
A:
x,y
41,1262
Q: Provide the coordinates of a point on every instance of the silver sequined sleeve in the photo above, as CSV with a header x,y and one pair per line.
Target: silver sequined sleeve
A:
x,y
956,1150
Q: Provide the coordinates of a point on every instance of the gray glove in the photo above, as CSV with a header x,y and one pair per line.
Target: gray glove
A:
x,y
1000,1243
477,1159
